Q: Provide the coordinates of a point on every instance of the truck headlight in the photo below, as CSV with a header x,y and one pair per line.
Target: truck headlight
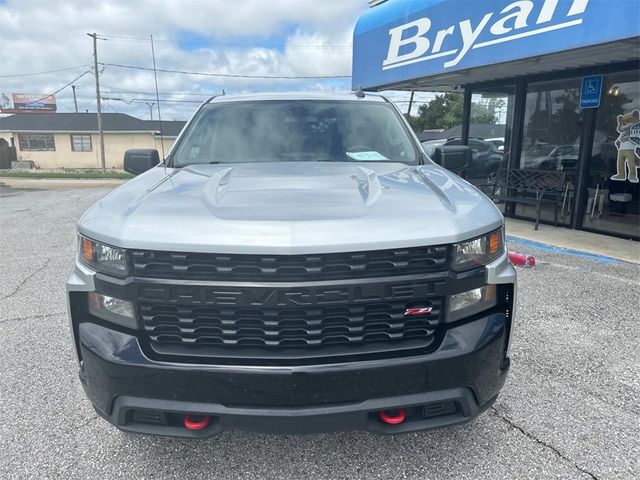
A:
x,y
112,309
465,304
478,251
103,258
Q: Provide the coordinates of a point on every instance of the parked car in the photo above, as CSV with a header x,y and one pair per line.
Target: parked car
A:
x,y
295,264
497,142
486,159
562,157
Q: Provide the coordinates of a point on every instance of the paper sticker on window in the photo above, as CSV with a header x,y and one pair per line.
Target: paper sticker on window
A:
x,y
366,156
628,144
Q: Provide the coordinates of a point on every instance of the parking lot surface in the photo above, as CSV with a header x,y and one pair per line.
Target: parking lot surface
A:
x,y
570,407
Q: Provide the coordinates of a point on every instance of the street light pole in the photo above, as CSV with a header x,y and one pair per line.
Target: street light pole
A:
x,y
75,100
150,105
98,102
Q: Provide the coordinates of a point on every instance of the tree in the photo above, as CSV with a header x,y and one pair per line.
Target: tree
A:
x,y
445,111
485,110
610,108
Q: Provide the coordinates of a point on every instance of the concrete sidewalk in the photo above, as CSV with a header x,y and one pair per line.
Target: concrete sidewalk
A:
x,y
565,238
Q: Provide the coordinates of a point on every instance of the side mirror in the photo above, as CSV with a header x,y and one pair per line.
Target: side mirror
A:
x,y
140,160
453,157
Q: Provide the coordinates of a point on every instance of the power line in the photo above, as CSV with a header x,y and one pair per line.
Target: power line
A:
x,y
43,73
226,75
62,88
87,103
117,99
162,100
110,106
138,92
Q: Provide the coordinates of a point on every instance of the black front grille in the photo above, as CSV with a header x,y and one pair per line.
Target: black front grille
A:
x,y
280,317
281,268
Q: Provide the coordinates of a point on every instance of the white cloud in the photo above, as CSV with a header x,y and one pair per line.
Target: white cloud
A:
x,y
47,35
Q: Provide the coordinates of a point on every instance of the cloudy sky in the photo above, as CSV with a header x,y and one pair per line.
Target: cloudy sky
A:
x,y
270,38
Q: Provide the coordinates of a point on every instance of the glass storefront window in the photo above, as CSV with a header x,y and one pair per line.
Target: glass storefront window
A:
x,y
551,138
612,199
490,132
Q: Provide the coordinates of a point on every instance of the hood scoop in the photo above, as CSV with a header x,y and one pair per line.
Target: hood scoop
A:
x,y
291,191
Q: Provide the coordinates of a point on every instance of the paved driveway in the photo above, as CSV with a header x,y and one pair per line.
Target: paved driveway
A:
x,y
570,408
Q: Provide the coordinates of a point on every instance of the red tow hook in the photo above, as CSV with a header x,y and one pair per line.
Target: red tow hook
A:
x,y
196,422
393,417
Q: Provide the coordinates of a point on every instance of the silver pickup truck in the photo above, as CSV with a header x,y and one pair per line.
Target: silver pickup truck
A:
x,y
296,263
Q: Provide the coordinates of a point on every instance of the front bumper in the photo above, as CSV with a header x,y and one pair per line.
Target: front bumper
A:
x,y
463,376
448,386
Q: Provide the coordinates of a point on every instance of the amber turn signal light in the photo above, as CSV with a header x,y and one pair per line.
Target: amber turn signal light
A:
x,y
87,250
494,242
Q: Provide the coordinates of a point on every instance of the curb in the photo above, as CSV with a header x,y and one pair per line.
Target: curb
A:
x,y
545,247
59,183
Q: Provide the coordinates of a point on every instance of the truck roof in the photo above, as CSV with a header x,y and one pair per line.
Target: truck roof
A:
x,y
342,96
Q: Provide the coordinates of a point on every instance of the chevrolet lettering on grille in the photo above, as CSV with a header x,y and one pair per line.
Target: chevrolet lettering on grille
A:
x,y
280,297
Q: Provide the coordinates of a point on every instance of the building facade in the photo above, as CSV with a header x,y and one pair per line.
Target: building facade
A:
x,y
563,76
71,140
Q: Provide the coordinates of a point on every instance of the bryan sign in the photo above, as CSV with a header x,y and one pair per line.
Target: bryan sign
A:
x,y
418,41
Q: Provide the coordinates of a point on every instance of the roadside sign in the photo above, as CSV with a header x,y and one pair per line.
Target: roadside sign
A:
x,y
591,90
30,102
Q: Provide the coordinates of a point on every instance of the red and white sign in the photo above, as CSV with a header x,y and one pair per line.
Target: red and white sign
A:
x,y
34,102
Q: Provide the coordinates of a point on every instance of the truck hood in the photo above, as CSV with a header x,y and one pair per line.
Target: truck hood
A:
x,y
290,208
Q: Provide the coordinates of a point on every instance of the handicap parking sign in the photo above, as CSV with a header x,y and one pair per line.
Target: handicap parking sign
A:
x,y
590,93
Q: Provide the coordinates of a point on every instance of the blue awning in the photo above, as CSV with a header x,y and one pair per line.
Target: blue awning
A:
x,y
424,44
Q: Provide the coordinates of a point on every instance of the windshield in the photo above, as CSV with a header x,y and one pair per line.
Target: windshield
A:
x,y
296,130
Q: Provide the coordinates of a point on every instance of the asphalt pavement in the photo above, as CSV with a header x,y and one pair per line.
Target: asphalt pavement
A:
x,y
569,410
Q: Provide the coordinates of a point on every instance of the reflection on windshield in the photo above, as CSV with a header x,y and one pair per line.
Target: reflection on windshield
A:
x,y
282,131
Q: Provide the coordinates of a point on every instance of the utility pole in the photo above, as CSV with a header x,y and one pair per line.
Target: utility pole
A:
x,y
150,105
75,100
99,107
410,103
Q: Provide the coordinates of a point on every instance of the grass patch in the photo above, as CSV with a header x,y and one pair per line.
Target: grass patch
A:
x,y
80,175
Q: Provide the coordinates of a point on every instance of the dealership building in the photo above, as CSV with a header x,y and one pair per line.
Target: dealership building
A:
x,y
564,76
